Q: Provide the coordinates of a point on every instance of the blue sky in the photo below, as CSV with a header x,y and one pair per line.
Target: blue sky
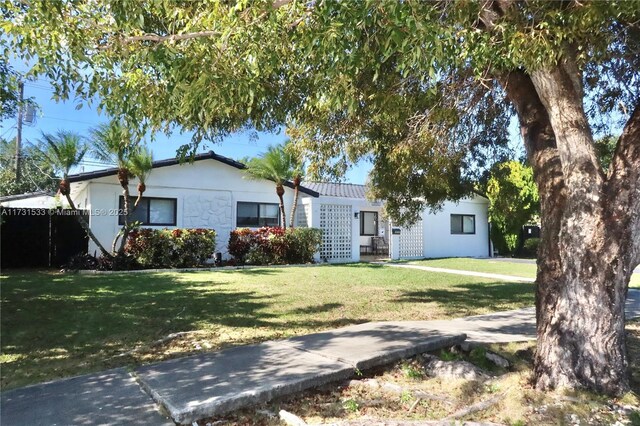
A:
x,y
54,116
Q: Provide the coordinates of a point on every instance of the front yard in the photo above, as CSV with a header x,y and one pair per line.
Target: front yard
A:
x,y
56,325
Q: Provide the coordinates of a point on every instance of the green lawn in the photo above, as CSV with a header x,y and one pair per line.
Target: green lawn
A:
x,y
56,325
516,269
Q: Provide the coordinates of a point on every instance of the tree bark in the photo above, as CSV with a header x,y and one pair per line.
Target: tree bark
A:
x,y
581,283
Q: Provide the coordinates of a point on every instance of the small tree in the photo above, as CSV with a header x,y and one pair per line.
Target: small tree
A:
x,y
514,201
276,165
140,166
64,151
298,175
114,142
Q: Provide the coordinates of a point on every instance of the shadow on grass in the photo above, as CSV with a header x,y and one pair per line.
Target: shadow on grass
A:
x,y
59,325
462,298
325,307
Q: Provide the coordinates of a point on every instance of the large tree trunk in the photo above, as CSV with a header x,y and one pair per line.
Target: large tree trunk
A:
x,y
583,269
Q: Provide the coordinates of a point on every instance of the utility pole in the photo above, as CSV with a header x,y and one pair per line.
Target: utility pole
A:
x,y
19,135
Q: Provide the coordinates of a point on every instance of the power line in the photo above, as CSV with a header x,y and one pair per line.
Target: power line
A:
x,y
66,119
36,86
8,130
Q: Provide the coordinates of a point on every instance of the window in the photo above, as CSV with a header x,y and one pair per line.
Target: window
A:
x,y
369,223
254,215
152,211
463,224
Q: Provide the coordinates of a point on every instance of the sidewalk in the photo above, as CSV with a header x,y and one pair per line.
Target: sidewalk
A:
x,y
209,384
501,277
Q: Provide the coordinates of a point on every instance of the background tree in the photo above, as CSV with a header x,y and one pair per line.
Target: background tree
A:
x,y
275,165
426,90
513,202
64,151
9,95
36,172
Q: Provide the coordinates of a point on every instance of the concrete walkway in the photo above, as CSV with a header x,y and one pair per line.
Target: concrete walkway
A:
x,y
501,277
195,387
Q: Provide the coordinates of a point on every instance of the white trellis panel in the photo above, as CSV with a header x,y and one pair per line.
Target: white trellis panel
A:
x,y
303,213
336,224
411,244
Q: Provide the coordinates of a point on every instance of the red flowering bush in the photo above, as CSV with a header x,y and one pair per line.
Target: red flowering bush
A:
x,y
274,245
171,248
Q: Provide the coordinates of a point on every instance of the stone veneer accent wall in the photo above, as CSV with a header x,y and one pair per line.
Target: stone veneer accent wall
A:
x,y
211,210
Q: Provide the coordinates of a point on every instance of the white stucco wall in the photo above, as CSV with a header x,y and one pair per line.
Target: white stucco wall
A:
x,y
440,242
207,193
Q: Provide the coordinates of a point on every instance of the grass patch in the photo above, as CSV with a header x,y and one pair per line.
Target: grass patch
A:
x,y
518,402
56,325
503,267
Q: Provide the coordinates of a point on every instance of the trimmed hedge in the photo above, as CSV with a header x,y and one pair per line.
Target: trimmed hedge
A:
x,y
274,245
171,248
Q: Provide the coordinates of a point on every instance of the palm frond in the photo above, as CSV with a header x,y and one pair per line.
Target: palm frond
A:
x,y
141,163
112,143
63,151
276,165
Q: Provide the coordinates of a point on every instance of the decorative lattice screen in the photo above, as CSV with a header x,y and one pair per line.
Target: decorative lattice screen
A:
x,y
336,224
303,213
411,241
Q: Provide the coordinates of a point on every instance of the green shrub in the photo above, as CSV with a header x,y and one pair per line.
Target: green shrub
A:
x,y
530,247
171,248
274,245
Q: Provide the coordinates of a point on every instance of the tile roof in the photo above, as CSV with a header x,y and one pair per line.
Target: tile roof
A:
x,y
345,190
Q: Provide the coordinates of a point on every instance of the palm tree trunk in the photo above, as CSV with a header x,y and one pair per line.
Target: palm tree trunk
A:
x,y
296,194
85,226
280,192
126,230
125,227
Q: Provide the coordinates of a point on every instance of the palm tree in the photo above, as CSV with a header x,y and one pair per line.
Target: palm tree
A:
x,y
139,165
64,151
298,174
113,143
276,165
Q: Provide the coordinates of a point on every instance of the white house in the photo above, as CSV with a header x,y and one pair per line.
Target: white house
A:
x,y
213,192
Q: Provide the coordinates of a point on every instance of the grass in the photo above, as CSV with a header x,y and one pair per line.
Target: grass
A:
x,y
56,325
518,404
504,267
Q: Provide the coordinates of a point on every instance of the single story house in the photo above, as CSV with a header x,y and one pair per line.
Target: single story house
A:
x,y
213,192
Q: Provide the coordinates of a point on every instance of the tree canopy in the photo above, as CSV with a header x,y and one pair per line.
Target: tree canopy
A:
x,y
426,90
395,81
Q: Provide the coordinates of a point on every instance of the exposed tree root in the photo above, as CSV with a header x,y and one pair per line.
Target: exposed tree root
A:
x,y
475,407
